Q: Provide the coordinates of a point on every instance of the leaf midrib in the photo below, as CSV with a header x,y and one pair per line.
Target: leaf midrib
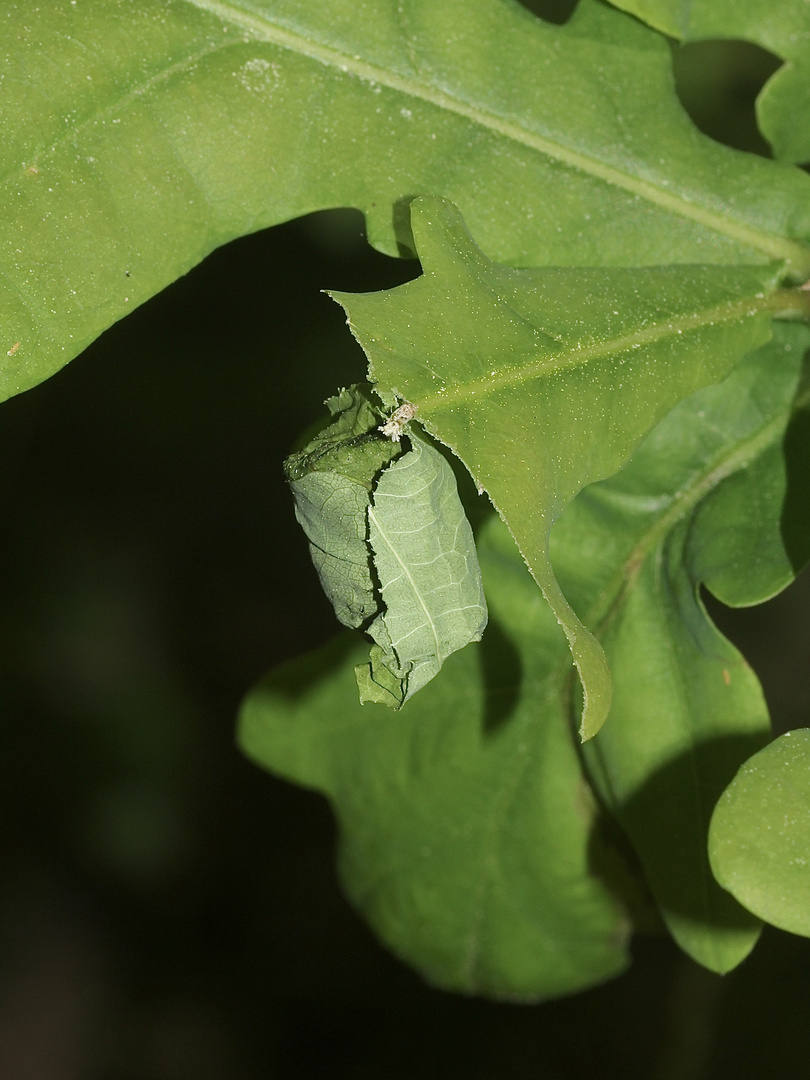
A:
x,y
579,354
409,577
774,246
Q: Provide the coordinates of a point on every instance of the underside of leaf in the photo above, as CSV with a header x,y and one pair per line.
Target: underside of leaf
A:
x,y
783,107
428,574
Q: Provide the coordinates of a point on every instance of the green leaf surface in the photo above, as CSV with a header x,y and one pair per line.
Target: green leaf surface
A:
x,y
331,479
137,137
459,841
759,842
391,543
428,573
783,27
544,380
706,500
464,820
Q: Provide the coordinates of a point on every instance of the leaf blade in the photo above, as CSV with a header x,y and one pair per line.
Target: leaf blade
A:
x,y
542,381
760,833
331,480
701,497
191,123
425,558
783,106
465,827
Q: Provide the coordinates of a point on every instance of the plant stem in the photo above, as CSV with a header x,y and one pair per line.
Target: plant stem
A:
x,y
688,1045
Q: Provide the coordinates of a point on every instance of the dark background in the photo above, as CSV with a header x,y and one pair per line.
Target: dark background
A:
x,y
169,912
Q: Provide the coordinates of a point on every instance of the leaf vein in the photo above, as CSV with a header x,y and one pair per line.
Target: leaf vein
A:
x,y
265,28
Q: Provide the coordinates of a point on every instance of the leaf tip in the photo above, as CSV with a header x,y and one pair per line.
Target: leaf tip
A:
x,y
597,687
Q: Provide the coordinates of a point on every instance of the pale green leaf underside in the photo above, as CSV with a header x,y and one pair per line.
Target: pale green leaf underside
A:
x,y
543,381
331,479
391,543
759,841
782,26
427,569
137,137
700,500
465,824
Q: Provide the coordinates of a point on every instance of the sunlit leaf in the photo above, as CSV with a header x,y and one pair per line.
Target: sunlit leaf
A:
x,y
480,752
707,499
783,107
137,137
427,568
331,479
391,543
759,842
544,380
